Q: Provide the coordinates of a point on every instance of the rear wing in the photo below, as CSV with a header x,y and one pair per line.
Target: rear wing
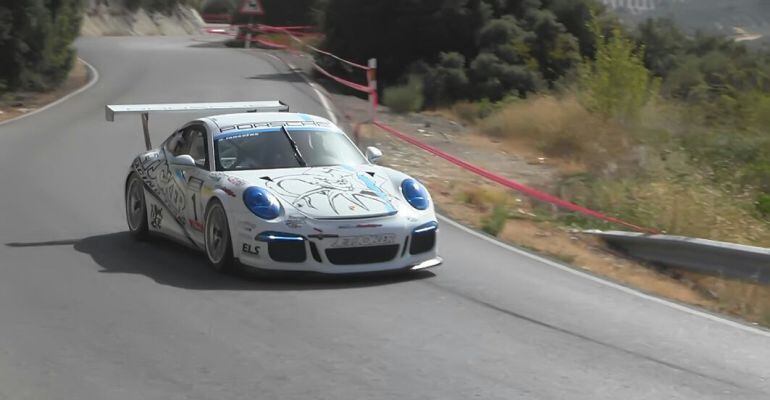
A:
x,y
145,109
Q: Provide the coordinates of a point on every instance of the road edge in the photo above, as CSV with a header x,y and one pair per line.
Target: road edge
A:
x,y
617,286
94,78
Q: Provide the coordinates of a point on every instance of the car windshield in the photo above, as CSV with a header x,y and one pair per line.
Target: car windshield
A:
x,y
284,148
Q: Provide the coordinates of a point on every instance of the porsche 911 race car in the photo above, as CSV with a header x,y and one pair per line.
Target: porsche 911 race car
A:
x,y
275,190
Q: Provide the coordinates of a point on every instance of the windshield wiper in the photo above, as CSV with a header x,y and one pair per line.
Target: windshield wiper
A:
x,y
297,154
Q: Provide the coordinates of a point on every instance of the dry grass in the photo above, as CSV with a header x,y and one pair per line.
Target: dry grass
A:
x,y
687,206
484,197
559,128
743,299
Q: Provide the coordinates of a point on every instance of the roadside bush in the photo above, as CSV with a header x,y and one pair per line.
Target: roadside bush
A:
x,y
616,84
494,223
763,204
559,128
35,42
471,112
447,81
404,98
484,197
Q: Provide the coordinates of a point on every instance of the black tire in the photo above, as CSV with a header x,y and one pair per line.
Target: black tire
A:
x,y
136,208
218,244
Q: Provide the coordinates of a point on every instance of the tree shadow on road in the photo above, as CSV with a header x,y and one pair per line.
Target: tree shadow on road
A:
x,y
169,263
280,76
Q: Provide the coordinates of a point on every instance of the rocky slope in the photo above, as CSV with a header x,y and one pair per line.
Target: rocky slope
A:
x,y
113,18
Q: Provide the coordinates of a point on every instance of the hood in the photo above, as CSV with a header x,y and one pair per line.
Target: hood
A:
x,y
337,192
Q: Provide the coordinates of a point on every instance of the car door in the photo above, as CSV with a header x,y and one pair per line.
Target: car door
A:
x,y
193,142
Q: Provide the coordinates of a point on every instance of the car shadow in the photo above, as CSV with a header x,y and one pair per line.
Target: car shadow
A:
x,y
169,263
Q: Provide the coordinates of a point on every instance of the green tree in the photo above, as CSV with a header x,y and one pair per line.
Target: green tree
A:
x,y
400,33
505,62
35,42
664,44
447,81
616,83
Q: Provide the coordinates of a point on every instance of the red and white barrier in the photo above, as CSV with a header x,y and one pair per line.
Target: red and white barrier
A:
x,y
371,90
510,183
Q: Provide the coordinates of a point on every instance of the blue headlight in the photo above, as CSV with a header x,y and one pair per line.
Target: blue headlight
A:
x,y
262,203
415,194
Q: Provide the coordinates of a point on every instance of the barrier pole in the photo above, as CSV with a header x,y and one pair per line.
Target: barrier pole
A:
x,y
371,78
250,29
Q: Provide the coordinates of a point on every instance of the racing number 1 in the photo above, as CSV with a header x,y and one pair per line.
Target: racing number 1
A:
x,y
194,187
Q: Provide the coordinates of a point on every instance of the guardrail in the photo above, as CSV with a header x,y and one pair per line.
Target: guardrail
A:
x,y
699,255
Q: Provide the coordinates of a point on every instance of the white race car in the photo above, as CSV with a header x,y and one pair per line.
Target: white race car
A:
x,y
275,190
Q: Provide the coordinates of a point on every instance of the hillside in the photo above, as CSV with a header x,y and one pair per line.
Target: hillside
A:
x,y
132,18
742,19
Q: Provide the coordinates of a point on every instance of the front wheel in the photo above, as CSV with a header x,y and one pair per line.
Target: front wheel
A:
x,y
219,244
136,208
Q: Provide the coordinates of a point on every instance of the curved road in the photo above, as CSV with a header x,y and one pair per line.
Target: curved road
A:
x,y
86,313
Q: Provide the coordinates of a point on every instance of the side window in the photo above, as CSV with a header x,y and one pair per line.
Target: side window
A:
x,y
176,144
192,141
197,145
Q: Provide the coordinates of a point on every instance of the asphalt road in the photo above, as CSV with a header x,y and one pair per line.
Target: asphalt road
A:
x,y
86,313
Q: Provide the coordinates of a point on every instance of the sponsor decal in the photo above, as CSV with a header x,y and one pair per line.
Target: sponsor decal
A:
x,y
226,190
236,181
242,135
250,249
196,225
156,216
216,176
294,221
322,236
361,226
365,240
158,178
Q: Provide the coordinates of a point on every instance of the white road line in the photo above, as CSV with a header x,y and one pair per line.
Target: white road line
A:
x,y
94,79
324,101
625,289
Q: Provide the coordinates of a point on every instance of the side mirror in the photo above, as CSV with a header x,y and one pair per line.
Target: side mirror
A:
x,y
184,160
373,154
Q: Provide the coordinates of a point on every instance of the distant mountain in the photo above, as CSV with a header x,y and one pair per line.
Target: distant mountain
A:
x,y
742,19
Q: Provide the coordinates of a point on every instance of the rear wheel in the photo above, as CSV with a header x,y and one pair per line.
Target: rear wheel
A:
x,y
219,244
136,208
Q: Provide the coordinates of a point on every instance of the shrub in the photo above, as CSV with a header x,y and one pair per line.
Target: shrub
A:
x,y
35,42
447,81
560,128
404,98
495,222
763,204
616,84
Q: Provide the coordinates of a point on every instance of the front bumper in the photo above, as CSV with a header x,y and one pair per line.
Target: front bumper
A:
x,y
314,246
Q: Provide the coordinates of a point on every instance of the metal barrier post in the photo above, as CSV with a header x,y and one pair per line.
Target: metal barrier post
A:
x,y
371,78
250,28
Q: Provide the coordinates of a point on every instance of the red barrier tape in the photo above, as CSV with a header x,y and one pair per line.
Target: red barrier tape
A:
x,y
268,28
298,28
270,44
536,194
352,85
286,30
510,183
